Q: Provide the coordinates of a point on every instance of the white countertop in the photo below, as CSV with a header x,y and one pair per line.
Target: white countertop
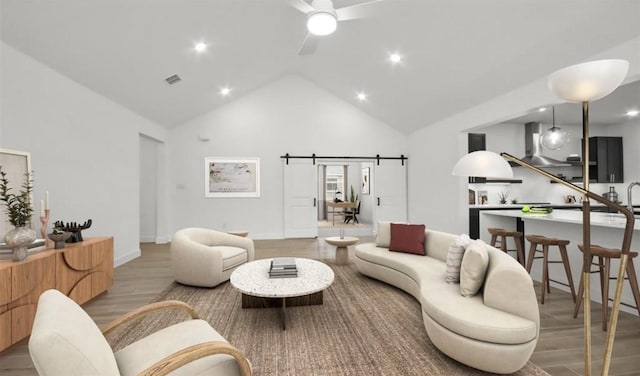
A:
x,y
569,216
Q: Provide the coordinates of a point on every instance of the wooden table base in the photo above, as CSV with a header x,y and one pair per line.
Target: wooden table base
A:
x,y
249,301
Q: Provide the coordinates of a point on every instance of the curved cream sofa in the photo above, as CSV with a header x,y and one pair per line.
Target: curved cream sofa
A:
x,y
206,258
496,330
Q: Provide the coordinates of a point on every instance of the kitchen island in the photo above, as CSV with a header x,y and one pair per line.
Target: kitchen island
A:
x,y
606,230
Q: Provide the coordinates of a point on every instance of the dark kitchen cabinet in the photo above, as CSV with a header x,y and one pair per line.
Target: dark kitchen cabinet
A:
x,y
605,159
476,142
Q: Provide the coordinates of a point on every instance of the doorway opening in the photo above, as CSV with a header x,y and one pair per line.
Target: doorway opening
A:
x,y
341,199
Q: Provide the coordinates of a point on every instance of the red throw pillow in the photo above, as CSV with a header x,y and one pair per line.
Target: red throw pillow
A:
x,y
407,238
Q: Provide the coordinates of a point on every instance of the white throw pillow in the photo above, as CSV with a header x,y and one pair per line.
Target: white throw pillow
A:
x,y
383,236
454,258
474,268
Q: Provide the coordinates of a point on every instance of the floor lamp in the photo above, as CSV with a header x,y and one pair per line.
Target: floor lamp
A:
x,y
582,83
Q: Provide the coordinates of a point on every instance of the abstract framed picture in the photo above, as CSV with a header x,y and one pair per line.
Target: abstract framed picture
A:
x,y
365,181
232,177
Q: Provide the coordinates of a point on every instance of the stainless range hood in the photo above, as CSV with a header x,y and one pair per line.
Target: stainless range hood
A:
x,y
533,148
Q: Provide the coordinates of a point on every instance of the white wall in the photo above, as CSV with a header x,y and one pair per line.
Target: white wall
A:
x,y
84,148
438,199
290,115
148,192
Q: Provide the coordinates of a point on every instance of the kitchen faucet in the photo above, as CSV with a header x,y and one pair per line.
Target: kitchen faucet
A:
x,y
629,194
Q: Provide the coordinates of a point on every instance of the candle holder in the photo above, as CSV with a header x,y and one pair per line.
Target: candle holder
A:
x,y
44,220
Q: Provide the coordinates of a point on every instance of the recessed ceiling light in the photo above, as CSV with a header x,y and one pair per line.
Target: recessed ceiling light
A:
x,y
200,47
225,91
362,97
395,58
633,113
542,109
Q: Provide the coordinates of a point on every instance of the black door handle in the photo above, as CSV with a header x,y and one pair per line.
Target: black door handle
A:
x,y
314,202
378,201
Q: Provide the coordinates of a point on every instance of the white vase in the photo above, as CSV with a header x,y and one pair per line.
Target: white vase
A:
x,y
19,240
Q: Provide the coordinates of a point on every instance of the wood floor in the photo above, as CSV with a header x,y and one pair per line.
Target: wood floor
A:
x,y
559,350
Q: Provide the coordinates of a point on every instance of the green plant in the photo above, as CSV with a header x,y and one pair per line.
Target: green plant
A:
x,y
17,206
353,197
502,197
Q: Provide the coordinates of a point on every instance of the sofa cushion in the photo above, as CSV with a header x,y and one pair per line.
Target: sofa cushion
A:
x,y
141,354
428,269
383,234
454,258
469,317
473,268
407,238
232,256
66,341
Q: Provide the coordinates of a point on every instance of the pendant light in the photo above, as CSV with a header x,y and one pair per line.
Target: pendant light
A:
x,y
554,138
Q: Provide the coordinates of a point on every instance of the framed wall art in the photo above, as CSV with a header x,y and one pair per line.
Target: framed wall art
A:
x,y
16,164
232,177
366,184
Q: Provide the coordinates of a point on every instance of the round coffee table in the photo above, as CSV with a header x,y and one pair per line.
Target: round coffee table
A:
x,y
342,253
260,291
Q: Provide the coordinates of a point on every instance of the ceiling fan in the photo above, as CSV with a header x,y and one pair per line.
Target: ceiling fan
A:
x,y
323,18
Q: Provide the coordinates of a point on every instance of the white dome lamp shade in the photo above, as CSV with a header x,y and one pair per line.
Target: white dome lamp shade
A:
x,y
484,164
554,138
589,81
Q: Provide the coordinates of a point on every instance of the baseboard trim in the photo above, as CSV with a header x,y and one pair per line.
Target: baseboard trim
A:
x,y
127,257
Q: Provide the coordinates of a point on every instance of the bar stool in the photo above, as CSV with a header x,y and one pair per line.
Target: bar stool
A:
x,y
604,256
545,242
499,240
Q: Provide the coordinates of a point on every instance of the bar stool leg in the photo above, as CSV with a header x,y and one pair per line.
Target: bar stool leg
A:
x,y
567,270
605,294
494,238
545,273
503,243
633,281
521,258
580,294
532,253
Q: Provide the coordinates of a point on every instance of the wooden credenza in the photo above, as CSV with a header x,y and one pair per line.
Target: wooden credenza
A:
x,y
81,271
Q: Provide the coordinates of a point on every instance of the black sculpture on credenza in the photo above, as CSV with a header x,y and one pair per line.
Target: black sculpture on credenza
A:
x,y
74,228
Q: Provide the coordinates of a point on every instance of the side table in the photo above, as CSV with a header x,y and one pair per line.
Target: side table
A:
x,y
342,253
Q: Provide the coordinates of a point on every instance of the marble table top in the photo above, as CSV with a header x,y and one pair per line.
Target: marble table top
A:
x,y
342,242
253,279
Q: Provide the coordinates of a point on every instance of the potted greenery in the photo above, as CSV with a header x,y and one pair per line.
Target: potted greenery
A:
x,y
502,197
19,210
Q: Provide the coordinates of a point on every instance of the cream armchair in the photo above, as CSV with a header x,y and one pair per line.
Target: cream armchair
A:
x,y
66,341
206,258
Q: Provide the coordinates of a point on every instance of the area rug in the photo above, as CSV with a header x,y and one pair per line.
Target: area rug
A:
x,y
364,327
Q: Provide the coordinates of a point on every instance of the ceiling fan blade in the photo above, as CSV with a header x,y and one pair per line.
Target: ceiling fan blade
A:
x,y
301,5
309,45
362,10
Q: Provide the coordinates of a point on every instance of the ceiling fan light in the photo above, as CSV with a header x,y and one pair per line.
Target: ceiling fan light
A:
x,y
322,23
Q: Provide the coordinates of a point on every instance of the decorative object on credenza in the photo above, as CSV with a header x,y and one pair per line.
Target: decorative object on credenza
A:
x,y
44,215
74,229
18,208
59,237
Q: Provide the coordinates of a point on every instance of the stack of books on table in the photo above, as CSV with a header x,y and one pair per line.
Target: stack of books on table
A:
x,y
283,267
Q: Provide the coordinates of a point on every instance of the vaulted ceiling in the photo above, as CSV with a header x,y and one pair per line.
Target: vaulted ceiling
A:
x,y
456,53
